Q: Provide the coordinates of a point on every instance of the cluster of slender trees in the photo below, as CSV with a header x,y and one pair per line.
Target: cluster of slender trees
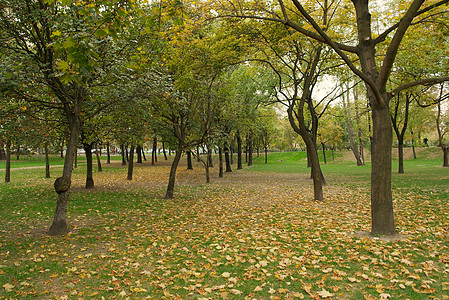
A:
x,y
203,74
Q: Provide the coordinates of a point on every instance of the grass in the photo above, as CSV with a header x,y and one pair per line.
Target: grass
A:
x,y
254,233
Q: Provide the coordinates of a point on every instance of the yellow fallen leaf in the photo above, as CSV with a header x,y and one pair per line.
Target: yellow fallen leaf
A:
x,y
226,275
325,294
258,289
307,287
8,287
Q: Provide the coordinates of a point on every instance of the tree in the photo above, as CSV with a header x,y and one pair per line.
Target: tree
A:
x,y
63,45
373,72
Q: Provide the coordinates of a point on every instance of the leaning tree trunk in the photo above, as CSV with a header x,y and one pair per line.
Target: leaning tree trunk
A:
x,y
163,150
62,184
317,175
8,162
172,177
99,168
47,162
89,162
131,163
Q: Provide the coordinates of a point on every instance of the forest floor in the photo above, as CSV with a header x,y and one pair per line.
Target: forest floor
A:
x,y
252,234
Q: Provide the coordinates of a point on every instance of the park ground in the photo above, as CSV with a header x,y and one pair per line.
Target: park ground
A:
x,y
256,233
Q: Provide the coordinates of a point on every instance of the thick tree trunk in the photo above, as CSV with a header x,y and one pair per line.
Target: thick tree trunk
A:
x,y
97,154
47,162
227,159
189,160
220,158
59,225
122,147
172,177
239,152
8,162
89,174
131,163
382,218
108,154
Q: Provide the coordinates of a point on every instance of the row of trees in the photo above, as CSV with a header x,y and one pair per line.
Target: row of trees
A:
x,y
201,74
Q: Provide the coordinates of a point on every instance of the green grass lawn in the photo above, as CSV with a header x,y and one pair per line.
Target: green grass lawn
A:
x,y
253,234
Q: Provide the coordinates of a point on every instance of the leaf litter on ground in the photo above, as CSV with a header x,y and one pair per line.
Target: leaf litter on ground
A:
x,y
254,235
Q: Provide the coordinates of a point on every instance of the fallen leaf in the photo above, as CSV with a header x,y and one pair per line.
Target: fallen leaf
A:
x,y
8,287
325,294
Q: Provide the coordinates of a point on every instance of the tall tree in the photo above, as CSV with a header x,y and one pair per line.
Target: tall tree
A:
x,y
63,45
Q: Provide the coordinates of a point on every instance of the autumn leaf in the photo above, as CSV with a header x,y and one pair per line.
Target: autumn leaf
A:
x,y
324,294
8,287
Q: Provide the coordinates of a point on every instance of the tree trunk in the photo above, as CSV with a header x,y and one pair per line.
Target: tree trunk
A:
x,y
220,157
154,150
227,159
47,162
250,149
445,156
209,157
189,160
163,150
382,218
198,154
131,163
59,225
139,154
89,174
172,177
8,162
239,152
108,153
231,154
143,154
266,155
401,156
122,147
76,157
351,134
97,154
324,152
